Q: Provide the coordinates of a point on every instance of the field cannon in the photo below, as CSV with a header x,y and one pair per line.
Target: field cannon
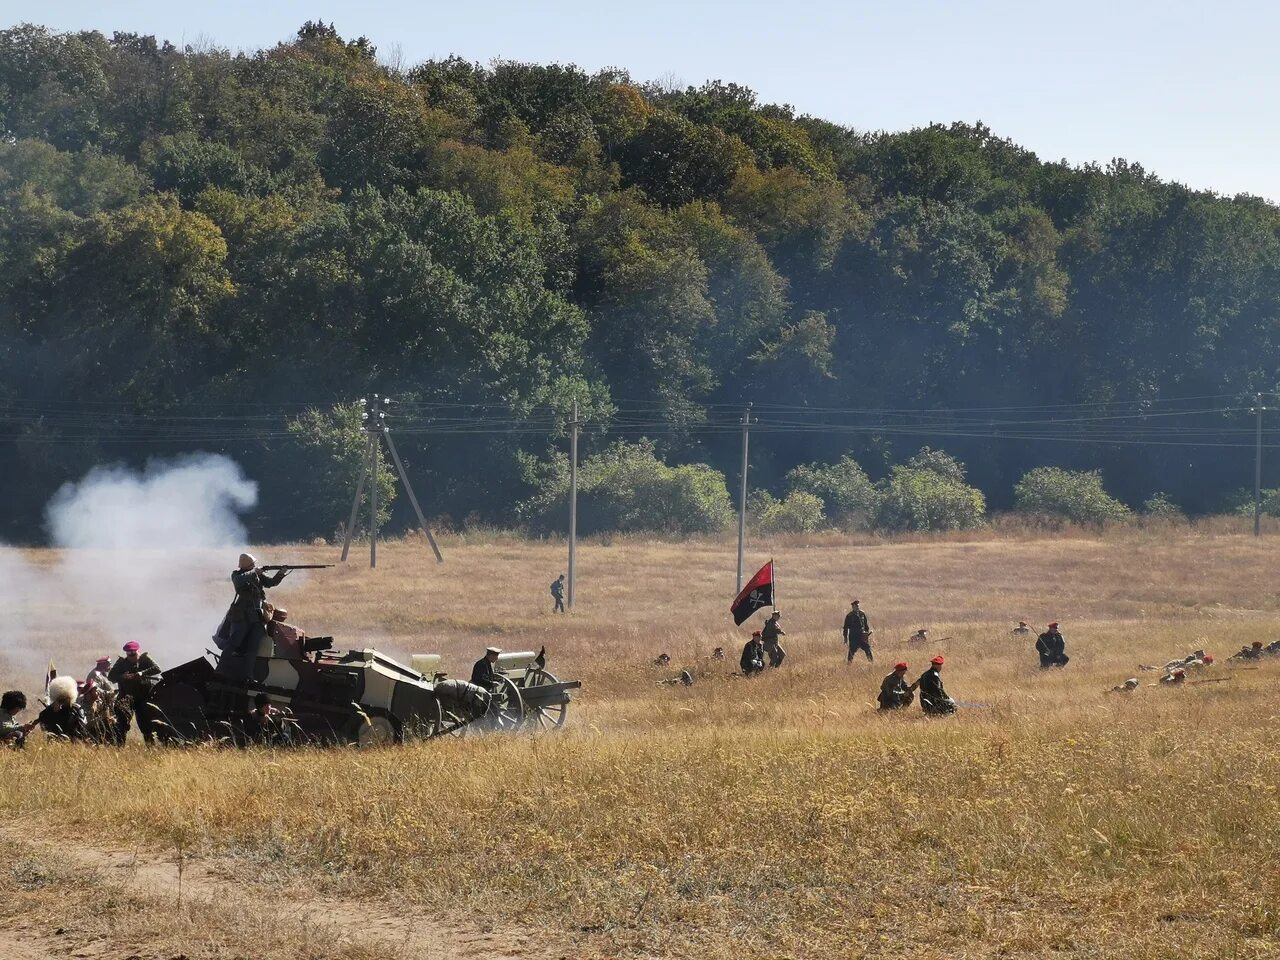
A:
x,y
525,692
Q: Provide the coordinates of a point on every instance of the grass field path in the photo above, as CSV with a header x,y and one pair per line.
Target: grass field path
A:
x,y
166,883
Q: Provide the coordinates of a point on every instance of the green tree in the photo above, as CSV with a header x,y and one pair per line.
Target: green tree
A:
x,y
1074,495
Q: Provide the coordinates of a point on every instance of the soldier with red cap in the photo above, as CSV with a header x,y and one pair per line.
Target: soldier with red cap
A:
x,y
1052,648
933,696
895,692
134,675
752,661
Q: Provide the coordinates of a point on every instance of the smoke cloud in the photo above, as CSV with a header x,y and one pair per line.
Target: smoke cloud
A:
x,y
143,555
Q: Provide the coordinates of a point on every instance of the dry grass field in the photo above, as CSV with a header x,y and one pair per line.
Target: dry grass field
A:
x,y
773,817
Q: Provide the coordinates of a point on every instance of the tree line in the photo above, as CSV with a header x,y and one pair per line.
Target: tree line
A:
x,y
190,231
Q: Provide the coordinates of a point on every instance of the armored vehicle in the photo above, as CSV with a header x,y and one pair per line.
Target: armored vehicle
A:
x,y
361,697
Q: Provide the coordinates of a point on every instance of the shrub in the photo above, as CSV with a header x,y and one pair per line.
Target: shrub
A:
x,y
626,488
800,512
915,498
846,492
1075,495
1158,506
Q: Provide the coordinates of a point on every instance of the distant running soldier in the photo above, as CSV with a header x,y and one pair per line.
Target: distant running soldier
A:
x,y
933,697
752,661
895,692
857,631
557,593
769,636
1051,646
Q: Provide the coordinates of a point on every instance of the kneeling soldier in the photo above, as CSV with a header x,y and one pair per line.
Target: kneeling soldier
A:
x,y
895,692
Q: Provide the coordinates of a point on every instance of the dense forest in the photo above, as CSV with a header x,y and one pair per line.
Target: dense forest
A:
x,y
202,250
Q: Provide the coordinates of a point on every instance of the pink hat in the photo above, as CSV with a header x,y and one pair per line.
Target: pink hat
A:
x,y
132,647
104,660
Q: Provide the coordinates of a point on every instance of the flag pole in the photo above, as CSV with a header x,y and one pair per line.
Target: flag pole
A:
x,y
773,573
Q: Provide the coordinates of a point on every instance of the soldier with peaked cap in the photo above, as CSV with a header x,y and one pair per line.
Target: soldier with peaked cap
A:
x,y
857,631
245,624
1052,648
752,661
1022,630
769,637
895,692
933,697
485,672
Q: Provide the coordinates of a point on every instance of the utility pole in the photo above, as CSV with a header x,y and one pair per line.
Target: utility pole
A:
x,y
375,427
573,500
742,494
1257,467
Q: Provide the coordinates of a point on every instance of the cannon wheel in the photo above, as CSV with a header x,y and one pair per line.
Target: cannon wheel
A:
x,y
550,716
379,731
506,708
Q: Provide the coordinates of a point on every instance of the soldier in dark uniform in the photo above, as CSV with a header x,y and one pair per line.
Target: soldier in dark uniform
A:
x,y
769,636
485,672
933,697
557,594
857,632
752,661
245,624
1052,648
134,675
63,717
263,724
895,692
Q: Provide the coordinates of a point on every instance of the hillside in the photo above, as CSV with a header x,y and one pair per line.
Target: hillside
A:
x,y
196,246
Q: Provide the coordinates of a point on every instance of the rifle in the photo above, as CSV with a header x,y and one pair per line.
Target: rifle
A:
x,y
296,566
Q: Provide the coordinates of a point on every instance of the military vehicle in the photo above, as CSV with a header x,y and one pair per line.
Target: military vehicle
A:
x,y
359,697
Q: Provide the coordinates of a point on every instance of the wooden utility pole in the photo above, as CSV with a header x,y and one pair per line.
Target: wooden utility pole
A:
x,y
375,427
573,501
1257,467
742,494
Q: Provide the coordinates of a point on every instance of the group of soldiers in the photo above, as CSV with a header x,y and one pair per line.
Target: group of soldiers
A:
x,y
112,698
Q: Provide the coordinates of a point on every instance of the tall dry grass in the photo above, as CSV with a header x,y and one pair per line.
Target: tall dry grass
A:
x,y
780,816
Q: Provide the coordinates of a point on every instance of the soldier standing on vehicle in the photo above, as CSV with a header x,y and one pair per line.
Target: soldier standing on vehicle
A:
x,y
134,675
12,703
769,636
752,661
245,625
895,692
857,632
557,593
485,673
933,697
1052,648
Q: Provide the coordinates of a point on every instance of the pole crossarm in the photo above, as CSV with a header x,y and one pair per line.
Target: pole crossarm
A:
x,y
375,427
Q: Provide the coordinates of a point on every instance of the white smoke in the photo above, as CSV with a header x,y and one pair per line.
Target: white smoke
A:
x,y
142,556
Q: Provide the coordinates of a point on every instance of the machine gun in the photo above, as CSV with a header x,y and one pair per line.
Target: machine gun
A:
x,y
296,566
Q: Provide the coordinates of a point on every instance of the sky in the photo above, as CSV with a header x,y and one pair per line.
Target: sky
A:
x,y
1189,90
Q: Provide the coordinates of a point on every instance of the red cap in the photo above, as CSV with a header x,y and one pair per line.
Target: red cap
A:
x,y
756,633
1053,625
104,660
900,665
938,661
1208,658
132,646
